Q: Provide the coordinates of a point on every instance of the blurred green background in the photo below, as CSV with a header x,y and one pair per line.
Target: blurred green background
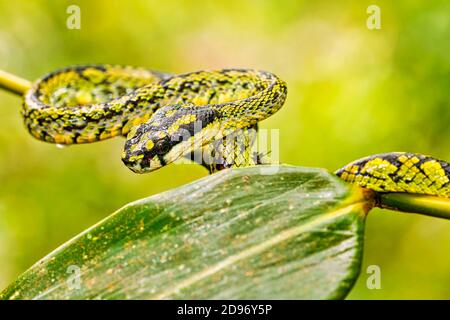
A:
x,y
352,92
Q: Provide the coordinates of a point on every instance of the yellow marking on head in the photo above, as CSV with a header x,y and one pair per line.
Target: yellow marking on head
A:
x,y
173,128
161,134
186,119
149,145
170,113
136,157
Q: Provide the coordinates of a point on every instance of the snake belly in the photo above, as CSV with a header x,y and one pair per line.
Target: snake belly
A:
x,y
84,104
400,172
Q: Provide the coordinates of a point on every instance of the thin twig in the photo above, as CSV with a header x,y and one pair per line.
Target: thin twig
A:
x,y
416,203
13,83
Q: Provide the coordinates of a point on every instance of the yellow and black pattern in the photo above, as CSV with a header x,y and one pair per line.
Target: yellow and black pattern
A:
x,y
84,104
164,117
400,172
210,117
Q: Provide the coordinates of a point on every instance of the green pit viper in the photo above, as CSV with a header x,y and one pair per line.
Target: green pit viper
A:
x,y
166,117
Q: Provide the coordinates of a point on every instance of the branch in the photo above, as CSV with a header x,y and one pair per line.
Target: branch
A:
x,y
13,83
416,203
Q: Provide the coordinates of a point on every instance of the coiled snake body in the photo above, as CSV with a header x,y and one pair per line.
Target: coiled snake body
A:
x,y
166,117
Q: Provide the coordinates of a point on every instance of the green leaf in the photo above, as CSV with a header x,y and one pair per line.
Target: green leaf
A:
x,y
266,232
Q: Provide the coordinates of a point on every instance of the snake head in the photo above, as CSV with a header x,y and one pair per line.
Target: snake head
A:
x,y
171,133
147,150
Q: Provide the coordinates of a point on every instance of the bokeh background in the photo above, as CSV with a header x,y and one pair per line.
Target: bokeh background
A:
x,y
352,92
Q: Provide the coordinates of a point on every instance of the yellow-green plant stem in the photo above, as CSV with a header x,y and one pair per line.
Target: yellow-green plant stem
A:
x,y
13,83
416,203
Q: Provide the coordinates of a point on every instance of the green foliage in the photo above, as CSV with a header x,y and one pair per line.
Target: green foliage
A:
x,y
239,234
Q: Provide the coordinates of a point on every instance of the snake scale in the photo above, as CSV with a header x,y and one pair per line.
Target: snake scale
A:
x,y
165,117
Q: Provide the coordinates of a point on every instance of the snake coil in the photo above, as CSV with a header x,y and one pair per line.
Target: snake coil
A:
x,y
166,117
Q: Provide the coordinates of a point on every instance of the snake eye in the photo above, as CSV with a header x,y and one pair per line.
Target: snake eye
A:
x,y
162,146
